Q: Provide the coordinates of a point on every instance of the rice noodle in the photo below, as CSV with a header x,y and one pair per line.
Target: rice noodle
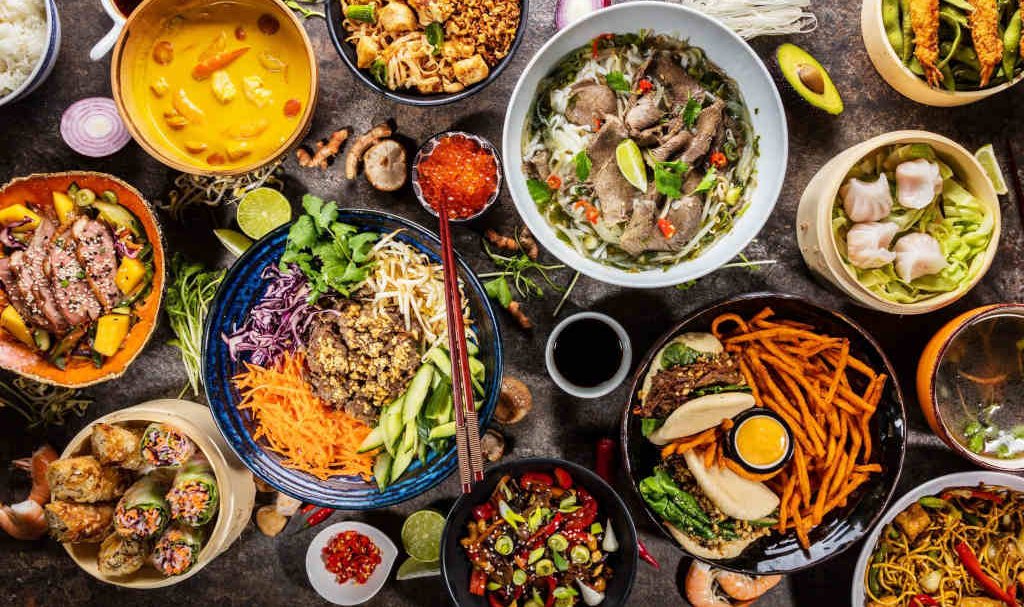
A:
x,y
752,18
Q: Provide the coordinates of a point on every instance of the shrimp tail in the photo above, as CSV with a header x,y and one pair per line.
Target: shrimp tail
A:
x,y
23,521
36,466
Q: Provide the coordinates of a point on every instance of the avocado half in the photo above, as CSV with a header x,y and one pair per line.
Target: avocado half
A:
x,y
808,78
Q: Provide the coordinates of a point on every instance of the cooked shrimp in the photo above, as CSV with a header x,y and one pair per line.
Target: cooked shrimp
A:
x,y
23,521
924,19
988,44
701,589
744,587
36,466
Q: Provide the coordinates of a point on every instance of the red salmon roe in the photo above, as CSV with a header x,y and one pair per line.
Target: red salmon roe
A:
x,y
350,555
460,172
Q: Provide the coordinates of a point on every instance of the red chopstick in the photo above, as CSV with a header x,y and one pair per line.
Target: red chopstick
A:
x,y
467,432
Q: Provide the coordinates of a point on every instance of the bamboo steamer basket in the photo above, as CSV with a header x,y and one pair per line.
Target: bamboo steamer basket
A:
x,y
892,69
814,219
122,66
237,489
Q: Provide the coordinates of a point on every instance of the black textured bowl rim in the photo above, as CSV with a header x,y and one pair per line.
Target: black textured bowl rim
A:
x,y
347,52
723,305
427,148
509,467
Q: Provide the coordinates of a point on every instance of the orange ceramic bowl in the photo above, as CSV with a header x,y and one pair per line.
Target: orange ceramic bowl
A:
x,y
927,375
19,358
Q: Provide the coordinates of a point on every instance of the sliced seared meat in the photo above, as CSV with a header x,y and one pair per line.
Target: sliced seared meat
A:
x,y
34,284
590,102
645,113
671,145
96,254
679,86
643,234
674,386
71,292
10,283
707,126
538,166
614,194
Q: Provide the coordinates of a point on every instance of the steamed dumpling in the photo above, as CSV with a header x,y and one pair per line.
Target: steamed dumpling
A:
x,y
867,244
917,183
918,254
867,200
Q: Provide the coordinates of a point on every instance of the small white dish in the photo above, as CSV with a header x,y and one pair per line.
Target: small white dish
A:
x,y
932,487
349,593
604,387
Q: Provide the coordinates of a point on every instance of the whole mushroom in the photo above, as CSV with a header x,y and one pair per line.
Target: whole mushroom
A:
x,y
385,165
514,401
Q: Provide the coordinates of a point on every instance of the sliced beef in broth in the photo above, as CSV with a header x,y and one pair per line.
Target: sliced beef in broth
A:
x,y
707,125
590,102
614,194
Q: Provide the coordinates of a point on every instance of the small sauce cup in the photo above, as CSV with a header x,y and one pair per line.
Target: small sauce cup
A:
x,y
604,387
760,441
428,148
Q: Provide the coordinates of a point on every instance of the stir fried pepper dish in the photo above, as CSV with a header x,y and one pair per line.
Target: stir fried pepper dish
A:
x,y
539,542
960,547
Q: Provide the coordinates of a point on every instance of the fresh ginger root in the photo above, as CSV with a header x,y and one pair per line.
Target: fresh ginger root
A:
x,y
520,316
324,151
523,241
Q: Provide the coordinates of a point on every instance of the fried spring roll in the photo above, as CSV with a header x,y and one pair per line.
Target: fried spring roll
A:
x,y
78,523
83,479
117,445
121,556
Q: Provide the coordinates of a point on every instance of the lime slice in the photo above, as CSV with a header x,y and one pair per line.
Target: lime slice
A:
x,y
414,568
631,164
421,535
262,210
987,157
235,242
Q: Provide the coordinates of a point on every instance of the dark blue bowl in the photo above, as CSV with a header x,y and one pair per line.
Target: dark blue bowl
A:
x,y
243,287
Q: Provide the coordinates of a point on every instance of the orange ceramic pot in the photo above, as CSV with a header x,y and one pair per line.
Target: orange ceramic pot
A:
x,y
927,367
16,356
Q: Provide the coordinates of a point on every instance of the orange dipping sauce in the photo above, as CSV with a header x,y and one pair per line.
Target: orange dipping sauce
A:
x,y
761,441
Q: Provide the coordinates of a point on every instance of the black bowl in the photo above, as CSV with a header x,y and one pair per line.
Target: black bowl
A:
x,y
348,55
456,569
842,527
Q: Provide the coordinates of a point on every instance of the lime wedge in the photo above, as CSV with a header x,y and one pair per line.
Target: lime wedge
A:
x,y
421,535
262,210
987,157
413,568
234,241
631,164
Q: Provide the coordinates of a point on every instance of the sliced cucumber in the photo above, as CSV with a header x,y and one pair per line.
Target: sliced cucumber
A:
x,y
417,393
408,438
373,440
439,357
382,470
116,215
442,431
402,461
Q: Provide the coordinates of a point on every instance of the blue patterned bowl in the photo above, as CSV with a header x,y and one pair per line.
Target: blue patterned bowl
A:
x,y
243,288
46,61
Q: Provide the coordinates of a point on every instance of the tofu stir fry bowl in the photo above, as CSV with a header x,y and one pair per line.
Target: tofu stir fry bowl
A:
x,y
236,489
910,234
217,88
645,145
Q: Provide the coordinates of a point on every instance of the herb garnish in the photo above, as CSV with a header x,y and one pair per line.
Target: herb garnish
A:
x,y
617,82
668,177
583,165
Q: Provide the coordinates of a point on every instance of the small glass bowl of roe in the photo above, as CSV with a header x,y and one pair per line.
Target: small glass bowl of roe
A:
x,y
760,440
459,169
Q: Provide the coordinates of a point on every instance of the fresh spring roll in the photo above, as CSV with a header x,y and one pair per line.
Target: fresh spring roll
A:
x,y
194,497
84,479
165,445
117,445
177,550
121,555
78,523
143,513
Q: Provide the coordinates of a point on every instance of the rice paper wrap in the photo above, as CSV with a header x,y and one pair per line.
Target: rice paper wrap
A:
x,y
143,513
120,555
194,496
78,523
177,550
117,445
84,479
164,445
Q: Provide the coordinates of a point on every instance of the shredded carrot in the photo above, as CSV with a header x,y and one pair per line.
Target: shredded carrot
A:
x,y
312,436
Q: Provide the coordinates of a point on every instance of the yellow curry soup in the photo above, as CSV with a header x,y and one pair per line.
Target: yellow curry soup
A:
x,y
219,87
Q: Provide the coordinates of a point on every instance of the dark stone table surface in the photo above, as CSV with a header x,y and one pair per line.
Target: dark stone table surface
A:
x,y
259,571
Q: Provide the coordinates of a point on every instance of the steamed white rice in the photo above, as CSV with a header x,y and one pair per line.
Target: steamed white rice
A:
x,y
22,41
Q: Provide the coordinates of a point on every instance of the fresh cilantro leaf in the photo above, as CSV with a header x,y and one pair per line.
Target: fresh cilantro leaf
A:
x,y
498,290
691,112
617,82
539,191
678,354
668,177
302,234
360,246
583,165
325,218
435,36
707,182
312,204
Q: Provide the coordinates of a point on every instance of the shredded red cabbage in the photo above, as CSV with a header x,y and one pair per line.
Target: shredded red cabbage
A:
x,y
7,236
278,322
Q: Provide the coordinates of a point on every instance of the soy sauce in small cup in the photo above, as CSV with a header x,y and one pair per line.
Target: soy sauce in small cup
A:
x,y
588,354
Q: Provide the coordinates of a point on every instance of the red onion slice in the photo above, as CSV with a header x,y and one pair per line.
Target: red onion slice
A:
x,y
92,127
569,11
